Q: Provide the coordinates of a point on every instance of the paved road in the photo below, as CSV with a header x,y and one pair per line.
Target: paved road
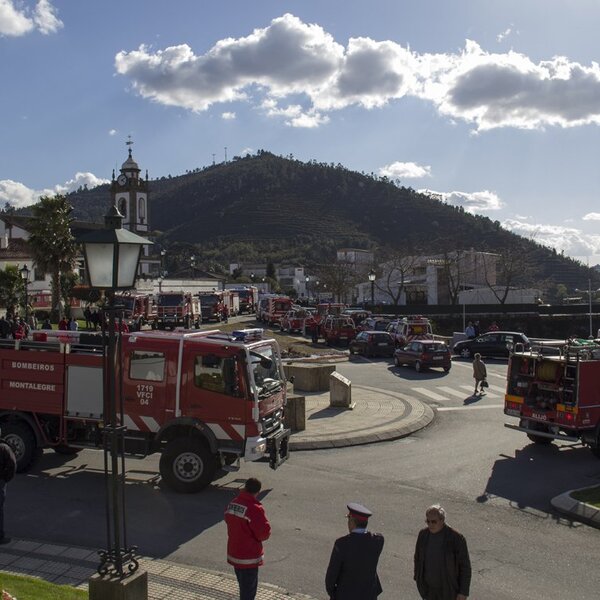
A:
x,y
495,485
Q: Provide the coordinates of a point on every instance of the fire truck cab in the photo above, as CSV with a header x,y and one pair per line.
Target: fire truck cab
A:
x,y
203,399
138,309
177,309
556,397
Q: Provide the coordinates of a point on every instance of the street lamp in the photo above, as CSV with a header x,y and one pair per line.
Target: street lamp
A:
x,y
112,257
372,278
192,265
589,293
307,281
163,253
24,270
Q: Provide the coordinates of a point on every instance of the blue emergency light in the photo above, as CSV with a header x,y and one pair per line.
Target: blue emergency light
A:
x,y
247,335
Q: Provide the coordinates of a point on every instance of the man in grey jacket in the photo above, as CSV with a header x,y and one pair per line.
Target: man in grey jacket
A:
x,y
442,563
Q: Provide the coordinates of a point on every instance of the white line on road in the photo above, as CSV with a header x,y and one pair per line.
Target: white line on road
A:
x,y
469,407
488,394
470,366
452,391
430,394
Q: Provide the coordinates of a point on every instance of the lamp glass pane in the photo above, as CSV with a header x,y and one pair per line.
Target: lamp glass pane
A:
x,y
129,255
99,261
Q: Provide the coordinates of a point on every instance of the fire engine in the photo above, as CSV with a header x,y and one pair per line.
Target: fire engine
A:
x,y
556,397
177,309
273,308
410,328
248,296
203,399
138,309
214,303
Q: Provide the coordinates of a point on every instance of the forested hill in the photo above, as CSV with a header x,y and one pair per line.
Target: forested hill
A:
x,y
282,209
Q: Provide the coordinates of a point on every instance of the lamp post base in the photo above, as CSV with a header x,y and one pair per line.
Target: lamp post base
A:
x,y
105,587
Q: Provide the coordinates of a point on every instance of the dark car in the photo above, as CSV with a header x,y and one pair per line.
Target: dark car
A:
x,y
372,343
493,343
424,354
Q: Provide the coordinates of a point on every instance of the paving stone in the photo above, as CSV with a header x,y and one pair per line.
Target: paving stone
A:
x,y
80,554
79,572
7,559
180,573
51,549
25,545
54,567
29,563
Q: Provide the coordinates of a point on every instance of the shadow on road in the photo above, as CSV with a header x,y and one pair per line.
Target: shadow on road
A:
x,y
409,373
66,505
536,474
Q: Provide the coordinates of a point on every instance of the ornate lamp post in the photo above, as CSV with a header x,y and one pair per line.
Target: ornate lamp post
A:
x,y
163,253
307,281
589,293
112,257
24,271
372,278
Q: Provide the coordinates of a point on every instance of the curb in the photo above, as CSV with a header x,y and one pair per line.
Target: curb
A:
x,y
419,416
581,511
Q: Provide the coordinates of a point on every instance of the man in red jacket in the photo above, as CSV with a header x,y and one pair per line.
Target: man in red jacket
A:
x,y
247,528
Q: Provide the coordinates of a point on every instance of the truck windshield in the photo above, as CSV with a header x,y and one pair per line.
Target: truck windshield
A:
x,y
282,306
127,302
243,294
266,372
208,300
171,300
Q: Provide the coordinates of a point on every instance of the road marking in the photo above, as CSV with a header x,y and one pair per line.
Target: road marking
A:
x,y
468,407
452,391
470,387
470,366
430,394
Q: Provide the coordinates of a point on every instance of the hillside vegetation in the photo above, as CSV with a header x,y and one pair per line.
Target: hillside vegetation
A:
x,y
266,207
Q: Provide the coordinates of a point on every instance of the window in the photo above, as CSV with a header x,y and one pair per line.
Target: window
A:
x,y
147,366
216,374
123,207
38,274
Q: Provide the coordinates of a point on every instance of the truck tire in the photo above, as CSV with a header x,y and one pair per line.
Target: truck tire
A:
x,y
23,443
466,353
187,465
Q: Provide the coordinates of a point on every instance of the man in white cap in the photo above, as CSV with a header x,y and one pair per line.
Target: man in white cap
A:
x,y
352,570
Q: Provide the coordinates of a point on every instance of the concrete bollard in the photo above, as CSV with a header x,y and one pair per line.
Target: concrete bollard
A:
x,y
309,378
295,413
340,392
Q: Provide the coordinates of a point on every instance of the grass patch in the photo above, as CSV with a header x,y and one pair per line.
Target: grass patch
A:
x,y
30,588
589,496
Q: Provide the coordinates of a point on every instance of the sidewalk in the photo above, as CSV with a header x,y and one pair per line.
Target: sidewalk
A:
x,y
65,565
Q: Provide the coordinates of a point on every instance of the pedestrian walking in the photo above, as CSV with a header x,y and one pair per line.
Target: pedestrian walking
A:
x,y
442,563
479,374
247,528
352,570
87,315
8,468
476,328
226,313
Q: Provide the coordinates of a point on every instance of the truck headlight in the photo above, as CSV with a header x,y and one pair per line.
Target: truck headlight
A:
x,y
260,448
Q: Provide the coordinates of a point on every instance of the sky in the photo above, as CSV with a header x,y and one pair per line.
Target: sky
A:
x,y
493,105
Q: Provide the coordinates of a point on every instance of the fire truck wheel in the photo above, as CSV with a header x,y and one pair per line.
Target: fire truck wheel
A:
x,y
22,441
188,322
187,466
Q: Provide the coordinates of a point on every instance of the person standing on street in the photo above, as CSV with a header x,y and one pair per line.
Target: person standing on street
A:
x,y
247,528
352,570
226,314
470,330
442,563
479,373
8,468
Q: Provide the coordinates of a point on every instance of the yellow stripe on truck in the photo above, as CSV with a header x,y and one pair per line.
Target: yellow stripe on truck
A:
x,y
515,399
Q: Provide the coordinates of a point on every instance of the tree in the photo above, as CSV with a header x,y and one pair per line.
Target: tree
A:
x,y
338,278
52,243
397,270
12,288
512,267
270,270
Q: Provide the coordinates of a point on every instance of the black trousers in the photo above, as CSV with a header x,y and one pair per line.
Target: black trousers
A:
x,y
248,582
2,498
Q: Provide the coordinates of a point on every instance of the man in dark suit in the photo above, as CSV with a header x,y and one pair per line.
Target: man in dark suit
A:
x,y
352,570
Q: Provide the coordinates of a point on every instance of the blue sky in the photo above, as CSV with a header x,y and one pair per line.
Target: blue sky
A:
x,y
493,105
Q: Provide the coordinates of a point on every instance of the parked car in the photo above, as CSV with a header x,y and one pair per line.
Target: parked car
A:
x,y
493,343
424,354
338,330
357,315
293,320
372,343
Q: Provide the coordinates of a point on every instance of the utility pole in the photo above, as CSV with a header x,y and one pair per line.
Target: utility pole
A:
x,y
225,153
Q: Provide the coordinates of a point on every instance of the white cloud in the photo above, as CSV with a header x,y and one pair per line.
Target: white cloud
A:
x,y
19,195
502,36
592,217
297,71
246,151
568,239
112,132
472,202
228,116
405,170
45,18
17,19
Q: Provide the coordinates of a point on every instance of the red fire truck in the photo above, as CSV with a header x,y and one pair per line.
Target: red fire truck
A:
x,y
177,309
213,305
203,399
138,309
556,397
273,308
248,296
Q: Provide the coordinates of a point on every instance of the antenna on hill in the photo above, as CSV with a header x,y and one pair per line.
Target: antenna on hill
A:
x,y
225,153
213,159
